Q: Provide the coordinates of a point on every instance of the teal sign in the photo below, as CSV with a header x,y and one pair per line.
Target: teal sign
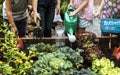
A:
x,y
110,25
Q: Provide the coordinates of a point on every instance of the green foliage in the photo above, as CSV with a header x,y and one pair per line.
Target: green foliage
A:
x,y
4,27
92,53
89,42
1,6
86,72
50,64
104,66
53,60
1,1
41,47
64,5
1,18
73,55
15,62
5,68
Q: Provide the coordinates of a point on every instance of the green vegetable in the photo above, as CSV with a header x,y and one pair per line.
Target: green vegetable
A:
x,y
14,62
57,63
53,60
104,66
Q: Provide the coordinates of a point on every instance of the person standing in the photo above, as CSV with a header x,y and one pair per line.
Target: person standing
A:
x,y
47,9
15,12
84,9
108,9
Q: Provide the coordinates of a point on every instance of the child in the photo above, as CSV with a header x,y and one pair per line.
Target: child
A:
x,y
84,9
109,9
15,12
46,8
103,9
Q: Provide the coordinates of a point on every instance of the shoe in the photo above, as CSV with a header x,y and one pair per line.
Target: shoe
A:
x,y
20,44
116,52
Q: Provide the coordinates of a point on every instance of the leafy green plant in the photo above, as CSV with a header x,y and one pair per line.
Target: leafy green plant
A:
x,y
86,39
15,62
51,64
53,60
4,27
92,53
5,68
86,72
104,66
89,42
64,5
73,55
1,6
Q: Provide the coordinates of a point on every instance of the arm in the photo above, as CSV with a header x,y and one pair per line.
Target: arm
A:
x,y
58,7
100,9
8,5
80,8
36,15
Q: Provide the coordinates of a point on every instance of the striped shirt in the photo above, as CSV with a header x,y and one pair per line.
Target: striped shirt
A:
x,y
19,9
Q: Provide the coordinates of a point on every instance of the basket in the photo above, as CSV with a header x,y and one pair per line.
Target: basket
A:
x,y
110,25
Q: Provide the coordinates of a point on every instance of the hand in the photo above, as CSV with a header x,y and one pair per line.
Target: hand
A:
x,y
58,9
30,8
36,16
70,4
72,14
97,14
16,31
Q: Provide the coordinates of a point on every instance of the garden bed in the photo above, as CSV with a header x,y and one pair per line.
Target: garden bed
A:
x,y
103,45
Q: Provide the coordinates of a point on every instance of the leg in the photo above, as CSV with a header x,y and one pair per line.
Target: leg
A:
x,y
21,26
49,20
42,15
43,10
83,23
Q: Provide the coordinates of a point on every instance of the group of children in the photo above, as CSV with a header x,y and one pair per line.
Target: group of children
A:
x,y
15,12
